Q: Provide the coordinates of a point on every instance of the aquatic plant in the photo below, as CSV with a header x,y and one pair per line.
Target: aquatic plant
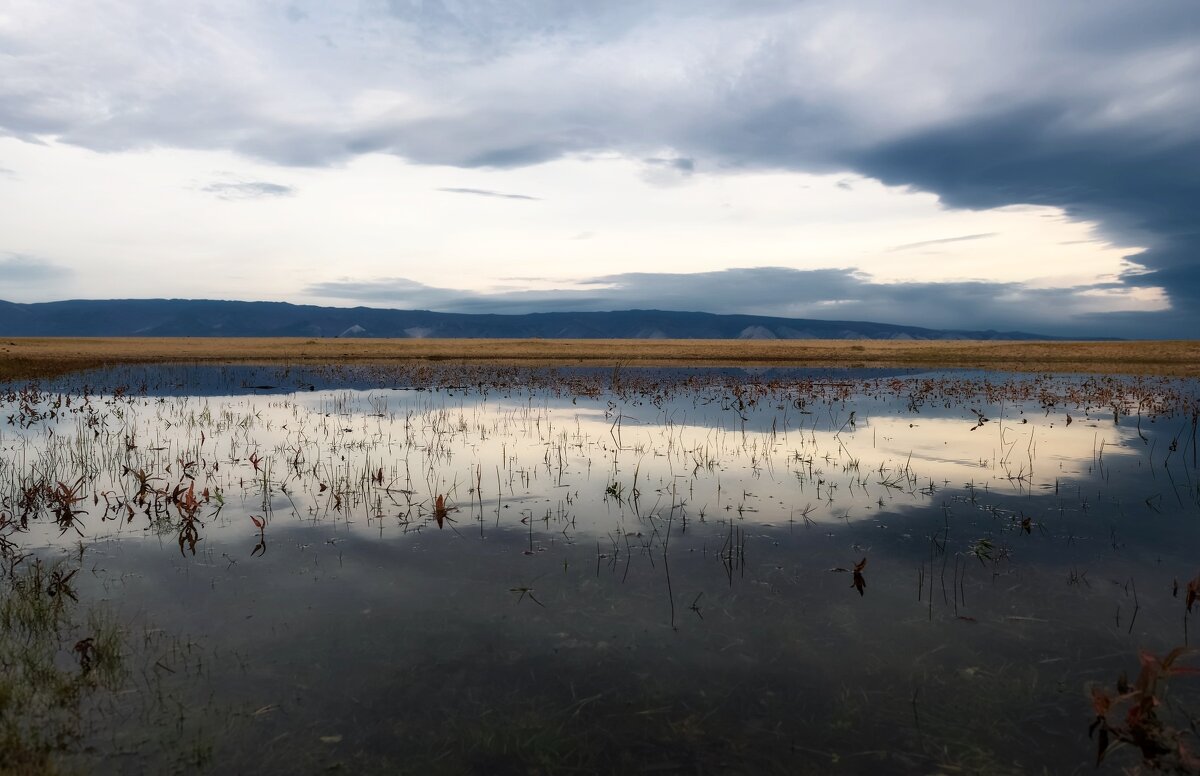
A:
x,y
1137,716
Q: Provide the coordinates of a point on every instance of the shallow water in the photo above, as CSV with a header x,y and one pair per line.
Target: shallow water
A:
x,y
660,578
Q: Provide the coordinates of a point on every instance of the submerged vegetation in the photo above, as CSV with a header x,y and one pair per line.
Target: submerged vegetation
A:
x,y
54,659
457,567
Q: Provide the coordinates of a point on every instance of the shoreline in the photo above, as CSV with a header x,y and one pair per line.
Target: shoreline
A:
x,y
31,358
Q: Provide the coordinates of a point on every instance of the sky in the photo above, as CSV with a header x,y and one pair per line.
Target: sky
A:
x,y
1016,166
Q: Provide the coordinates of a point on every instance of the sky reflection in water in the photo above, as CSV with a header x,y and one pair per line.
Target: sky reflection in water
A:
x,y
620,583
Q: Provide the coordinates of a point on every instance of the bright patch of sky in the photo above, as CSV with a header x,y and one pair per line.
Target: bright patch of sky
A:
x,y
205,224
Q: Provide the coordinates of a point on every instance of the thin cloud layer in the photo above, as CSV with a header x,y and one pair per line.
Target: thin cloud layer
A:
x,y
941,241
488,193
827,294
239,190
19,269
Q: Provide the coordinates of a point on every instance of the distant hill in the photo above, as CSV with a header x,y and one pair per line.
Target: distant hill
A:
x,y
209,318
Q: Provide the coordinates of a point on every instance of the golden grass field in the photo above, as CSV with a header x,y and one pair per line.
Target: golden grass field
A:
x,y
23,358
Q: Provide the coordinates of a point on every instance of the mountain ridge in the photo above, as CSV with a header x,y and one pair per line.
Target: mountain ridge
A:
x,y
221,318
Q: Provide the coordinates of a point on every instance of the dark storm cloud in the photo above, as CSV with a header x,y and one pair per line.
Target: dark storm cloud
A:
x,y
1141,183
826,294
489,193
239,190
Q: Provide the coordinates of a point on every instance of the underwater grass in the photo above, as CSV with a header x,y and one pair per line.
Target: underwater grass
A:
x,y
53,656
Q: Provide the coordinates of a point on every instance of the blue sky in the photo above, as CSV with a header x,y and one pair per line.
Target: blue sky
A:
x,y
1017,165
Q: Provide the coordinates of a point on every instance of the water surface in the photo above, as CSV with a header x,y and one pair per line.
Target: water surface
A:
x,y
671,570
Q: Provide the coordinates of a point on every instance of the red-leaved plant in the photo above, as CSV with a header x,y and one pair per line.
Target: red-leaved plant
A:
x,y
1163,746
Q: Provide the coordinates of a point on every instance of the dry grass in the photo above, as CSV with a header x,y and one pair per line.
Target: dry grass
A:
x,y
37,357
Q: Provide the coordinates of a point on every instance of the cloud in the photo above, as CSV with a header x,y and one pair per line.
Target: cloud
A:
x,y
400,292
825,294
1140,182
667,170
941,241
1091,107
19,269
679,164
241,190
487,193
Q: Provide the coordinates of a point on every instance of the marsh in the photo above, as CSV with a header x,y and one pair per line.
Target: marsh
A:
x,y
555,570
